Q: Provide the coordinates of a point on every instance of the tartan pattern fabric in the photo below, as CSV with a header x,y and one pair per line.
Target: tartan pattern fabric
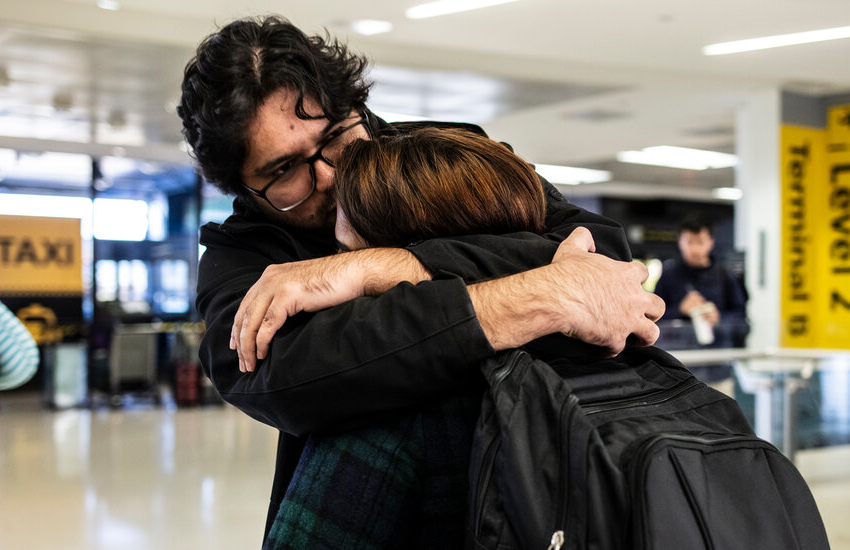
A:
x,y
398,484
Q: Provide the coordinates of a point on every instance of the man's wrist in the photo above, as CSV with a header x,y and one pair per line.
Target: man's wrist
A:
x,y
514,310
381,269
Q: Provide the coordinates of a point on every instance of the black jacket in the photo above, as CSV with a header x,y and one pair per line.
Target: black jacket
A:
x,y
348,365
714,282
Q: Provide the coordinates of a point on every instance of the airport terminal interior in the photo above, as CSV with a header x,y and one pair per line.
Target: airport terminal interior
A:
x,y
645,113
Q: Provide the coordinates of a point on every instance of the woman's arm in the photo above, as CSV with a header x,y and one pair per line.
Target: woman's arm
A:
x,y
585,295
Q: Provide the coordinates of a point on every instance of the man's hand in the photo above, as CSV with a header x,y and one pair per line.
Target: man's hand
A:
x,y
584,295
606,300
310,285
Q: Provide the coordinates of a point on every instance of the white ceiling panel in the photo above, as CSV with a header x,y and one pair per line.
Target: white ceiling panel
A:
x,y
565,81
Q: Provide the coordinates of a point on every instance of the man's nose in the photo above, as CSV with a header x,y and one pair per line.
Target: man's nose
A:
x,y
324,175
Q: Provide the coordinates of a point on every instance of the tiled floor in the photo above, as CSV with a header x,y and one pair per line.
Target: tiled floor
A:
x,y
191,479
827,471
127,480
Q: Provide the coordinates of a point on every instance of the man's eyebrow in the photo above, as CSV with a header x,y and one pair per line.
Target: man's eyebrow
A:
x,y
262,170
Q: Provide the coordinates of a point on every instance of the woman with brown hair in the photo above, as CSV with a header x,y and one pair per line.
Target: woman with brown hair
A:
x,y
404,483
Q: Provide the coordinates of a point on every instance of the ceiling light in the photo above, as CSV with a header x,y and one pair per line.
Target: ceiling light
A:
x,y
776,41
368,27
678,157
110,5
444,7
571,176
727,193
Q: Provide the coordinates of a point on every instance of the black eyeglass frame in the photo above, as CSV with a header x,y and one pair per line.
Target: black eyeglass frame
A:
x,y
364,119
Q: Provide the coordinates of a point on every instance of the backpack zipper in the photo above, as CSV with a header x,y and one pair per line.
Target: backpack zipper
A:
x,y
571,404
647,445
505,370
484,482
654,398
486,472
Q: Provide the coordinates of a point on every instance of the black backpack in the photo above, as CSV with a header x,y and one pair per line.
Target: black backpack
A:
x,y
627,453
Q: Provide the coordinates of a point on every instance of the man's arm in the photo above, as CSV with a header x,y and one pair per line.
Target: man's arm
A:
x,y
584,295
340,367
551,299
280,291
312,285
344,366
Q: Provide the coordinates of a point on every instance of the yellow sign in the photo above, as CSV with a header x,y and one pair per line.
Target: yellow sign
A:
x,y
834,244
815,282
40,256
802,175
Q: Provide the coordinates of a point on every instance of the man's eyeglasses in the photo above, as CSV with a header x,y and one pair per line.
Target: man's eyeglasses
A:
x,y
295,181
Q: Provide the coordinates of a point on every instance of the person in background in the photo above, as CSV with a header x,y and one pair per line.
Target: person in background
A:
x,y
698,288
18,351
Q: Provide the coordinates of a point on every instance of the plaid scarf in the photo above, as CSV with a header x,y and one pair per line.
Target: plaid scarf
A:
x,y
398,484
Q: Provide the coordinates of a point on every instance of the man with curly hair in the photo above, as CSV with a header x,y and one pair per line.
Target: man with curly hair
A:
x,y
266,111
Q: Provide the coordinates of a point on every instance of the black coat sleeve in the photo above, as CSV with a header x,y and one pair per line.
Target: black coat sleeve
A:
x,y
344,366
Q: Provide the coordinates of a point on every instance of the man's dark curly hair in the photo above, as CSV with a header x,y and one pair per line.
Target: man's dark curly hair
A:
x,y
238,67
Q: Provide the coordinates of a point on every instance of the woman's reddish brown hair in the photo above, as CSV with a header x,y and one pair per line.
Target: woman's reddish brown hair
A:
x,y
433,182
